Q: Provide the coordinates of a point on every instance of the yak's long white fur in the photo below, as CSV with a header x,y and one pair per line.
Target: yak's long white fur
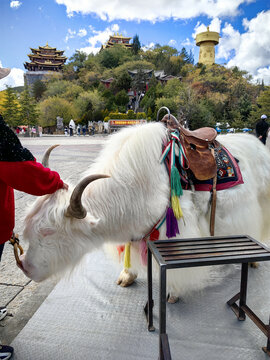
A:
x,y
136,195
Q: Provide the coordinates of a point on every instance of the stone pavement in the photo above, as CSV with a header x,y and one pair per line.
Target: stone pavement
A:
x,y
21,296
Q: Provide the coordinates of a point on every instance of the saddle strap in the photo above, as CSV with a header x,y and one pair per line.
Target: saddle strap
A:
x,y
213,202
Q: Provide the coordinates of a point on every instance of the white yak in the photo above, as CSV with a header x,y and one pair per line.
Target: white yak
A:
x,y
126,205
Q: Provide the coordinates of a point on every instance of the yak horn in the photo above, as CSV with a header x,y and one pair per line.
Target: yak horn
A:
x,y
75,208
45,159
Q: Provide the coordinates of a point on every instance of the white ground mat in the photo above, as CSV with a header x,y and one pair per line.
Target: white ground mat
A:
x,y
89,317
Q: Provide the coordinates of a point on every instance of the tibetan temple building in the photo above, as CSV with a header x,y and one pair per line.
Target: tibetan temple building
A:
x,y
117,39
43,61
45,58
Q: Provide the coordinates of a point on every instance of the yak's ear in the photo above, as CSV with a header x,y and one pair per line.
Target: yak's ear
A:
x,y
90,219
46,232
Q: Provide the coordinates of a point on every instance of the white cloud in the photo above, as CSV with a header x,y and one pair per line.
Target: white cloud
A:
x,y
187,42
82,33
213,26
15,78
148,47
249,51
153,10
172,42
99,38
15,4
71,34
229,42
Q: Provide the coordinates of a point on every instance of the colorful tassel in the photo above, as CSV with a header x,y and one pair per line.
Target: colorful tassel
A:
x,y
176,207
120,249
176,187
154,235
127,264
171,223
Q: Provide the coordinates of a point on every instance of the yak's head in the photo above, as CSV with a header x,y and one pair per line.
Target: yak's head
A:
x,y
57,229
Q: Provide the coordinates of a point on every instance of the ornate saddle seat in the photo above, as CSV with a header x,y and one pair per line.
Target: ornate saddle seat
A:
x,y
206,133
197,144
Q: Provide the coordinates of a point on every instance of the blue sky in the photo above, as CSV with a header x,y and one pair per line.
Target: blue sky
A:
x,y
70,25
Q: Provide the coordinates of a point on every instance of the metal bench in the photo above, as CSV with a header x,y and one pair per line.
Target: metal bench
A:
x,y
217,250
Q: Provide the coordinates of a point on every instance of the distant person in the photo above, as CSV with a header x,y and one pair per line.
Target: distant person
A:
x,y
71,127
66,131
79,130
106,127
40,131
84,130
262,129
93,130
100,126
34,131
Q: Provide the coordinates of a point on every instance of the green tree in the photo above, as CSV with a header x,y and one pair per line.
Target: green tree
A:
x,y
188,58
55,106
138,85
88,104
10,105
121,100
122,82
28,109
38,89
77,60
114,56
136,45
172,88
262,106
56,88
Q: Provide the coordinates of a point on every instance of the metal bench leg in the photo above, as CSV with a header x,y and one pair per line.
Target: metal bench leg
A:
x,y
243,291
150,303
164,350
267,348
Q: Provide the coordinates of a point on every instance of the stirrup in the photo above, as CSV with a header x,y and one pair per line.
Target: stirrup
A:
x,y
3,313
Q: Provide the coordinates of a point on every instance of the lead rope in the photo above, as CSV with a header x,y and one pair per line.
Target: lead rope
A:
x,y
14,241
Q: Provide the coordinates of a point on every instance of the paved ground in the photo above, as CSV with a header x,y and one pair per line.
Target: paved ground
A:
x,y
22,296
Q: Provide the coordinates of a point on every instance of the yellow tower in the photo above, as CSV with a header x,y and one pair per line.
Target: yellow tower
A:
x,y
207,41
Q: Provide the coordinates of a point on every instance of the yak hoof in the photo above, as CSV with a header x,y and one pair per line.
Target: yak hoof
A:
x,y
126,278
172,299
254,265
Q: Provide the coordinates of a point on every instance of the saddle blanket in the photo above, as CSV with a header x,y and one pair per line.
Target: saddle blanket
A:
x,y
228,173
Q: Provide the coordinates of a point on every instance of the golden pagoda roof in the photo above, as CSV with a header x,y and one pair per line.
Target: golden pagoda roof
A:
x,y
120,36
48,63
46,47
43,64
47,55
110,43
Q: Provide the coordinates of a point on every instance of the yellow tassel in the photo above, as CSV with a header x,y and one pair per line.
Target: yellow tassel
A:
x,y
176,207
127,263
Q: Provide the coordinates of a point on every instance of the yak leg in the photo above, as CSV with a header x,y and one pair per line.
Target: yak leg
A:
x,y
126,277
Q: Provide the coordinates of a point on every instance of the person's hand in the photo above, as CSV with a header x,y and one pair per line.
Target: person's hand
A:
x,y
65,186
260,137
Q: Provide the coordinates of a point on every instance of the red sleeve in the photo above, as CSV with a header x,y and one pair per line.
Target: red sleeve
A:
x,y
30,177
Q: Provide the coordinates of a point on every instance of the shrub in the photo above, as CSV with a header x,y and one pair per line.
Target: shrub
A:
x,y
141,115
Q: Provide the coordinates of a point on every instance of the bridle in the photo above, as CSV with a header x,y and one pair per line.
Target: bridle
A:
x,y
14,241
